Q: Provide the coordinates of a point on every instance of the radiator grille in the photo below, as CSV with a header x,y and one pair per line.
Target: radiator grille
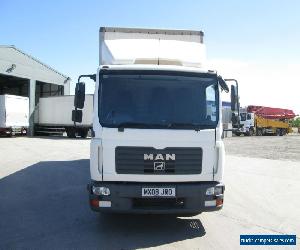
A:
x,y
130,160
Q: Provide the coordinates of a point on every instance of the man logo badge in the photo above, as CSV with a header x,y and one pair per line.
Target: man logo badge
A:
x,y
159,166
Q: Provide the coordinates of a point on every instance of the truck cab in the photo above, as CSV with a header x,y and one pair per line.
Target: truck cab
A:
x,y
247,123
157,133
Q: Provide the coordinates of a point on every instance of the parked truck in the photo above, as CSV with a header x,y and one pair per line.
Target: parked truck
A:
x,y
54,116
262,120
157,133
14,115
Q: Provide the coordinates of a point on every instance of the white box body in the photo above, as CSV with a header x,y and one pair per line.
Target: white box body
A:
x,y
14,111
151,46
57,110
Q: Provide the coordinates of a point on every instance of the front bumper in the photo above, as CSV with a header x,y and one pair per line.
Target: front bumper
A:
x,y
127,197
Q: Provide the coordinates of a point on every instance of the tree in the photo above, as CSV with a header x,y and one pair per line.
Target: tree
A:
x,y
296,122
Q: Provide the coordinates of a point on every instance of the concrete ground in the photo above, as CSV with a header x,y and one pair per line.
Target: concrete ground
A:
x,y
43,199
268,147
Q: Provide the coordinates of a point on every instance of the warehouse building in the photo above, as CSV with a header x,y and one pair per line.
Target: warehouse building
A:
x,y
23,75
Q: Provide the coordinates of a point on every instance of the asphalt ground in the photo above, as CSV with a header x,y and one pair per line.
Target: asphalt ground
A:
x,y
44,205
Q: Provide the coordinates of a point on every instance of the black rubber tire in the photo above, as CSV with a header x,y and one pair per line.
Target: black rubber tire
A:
x,y
71,133
250,132
83,133
259,132
11,134
278,131
282,132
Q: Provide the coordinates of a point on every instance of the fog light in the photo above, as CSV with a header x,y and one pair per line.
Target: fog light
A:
x,y
101,191
104,203
210,203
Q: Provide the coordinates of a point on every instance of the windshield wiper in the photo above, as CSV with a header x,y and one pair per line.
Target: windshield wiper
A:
x,y
183,125
138,125
170,125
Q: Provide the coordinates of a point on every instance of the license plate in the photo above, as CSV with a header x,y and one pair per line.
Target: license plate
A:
x,y
158,192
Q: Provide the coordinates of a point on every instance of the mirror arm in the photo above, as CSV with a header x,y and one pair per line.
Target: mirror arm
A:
x,y
91,76
223,84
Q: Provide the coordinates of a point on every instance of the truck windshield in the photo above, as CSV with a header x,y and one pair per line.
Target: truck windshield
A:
x,y
158,100
243,117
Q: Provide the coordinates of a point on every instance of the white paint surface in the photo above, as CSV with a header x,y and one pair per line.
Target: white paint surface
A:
x,y
58,110
14,111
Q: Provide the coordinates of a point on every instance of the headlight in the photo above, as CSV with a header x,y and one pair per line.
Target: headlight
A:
x,y
218,190
214,190
101,191
210,191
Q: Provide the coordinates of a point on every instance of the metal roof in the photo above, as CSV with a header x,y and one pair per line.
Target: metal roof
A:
x,y
33,58
5,60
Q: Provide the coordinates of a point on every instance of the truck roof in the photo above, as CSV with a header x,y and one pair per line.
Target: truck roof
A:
x,y
158,67
154,31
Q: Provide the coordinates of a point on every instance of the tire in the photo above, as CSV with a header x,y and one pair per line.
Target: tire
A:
x,y
71,133
278,131
250,132
11,133
282,132
237,134
83,133
259,132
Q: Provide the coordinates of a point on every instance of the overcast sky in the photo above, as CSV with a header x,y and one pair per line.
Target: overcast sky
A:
x,y
256,42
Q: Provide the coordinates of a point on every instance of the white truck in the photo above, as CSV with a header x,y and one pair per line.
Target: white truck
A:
x,y
53,116
14,114
157,133
247,123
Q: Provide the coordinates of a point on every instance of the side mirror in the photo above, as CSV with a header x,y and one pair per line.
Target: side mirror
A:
x,y
223,84
234,98
79,95
235,119
77,116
